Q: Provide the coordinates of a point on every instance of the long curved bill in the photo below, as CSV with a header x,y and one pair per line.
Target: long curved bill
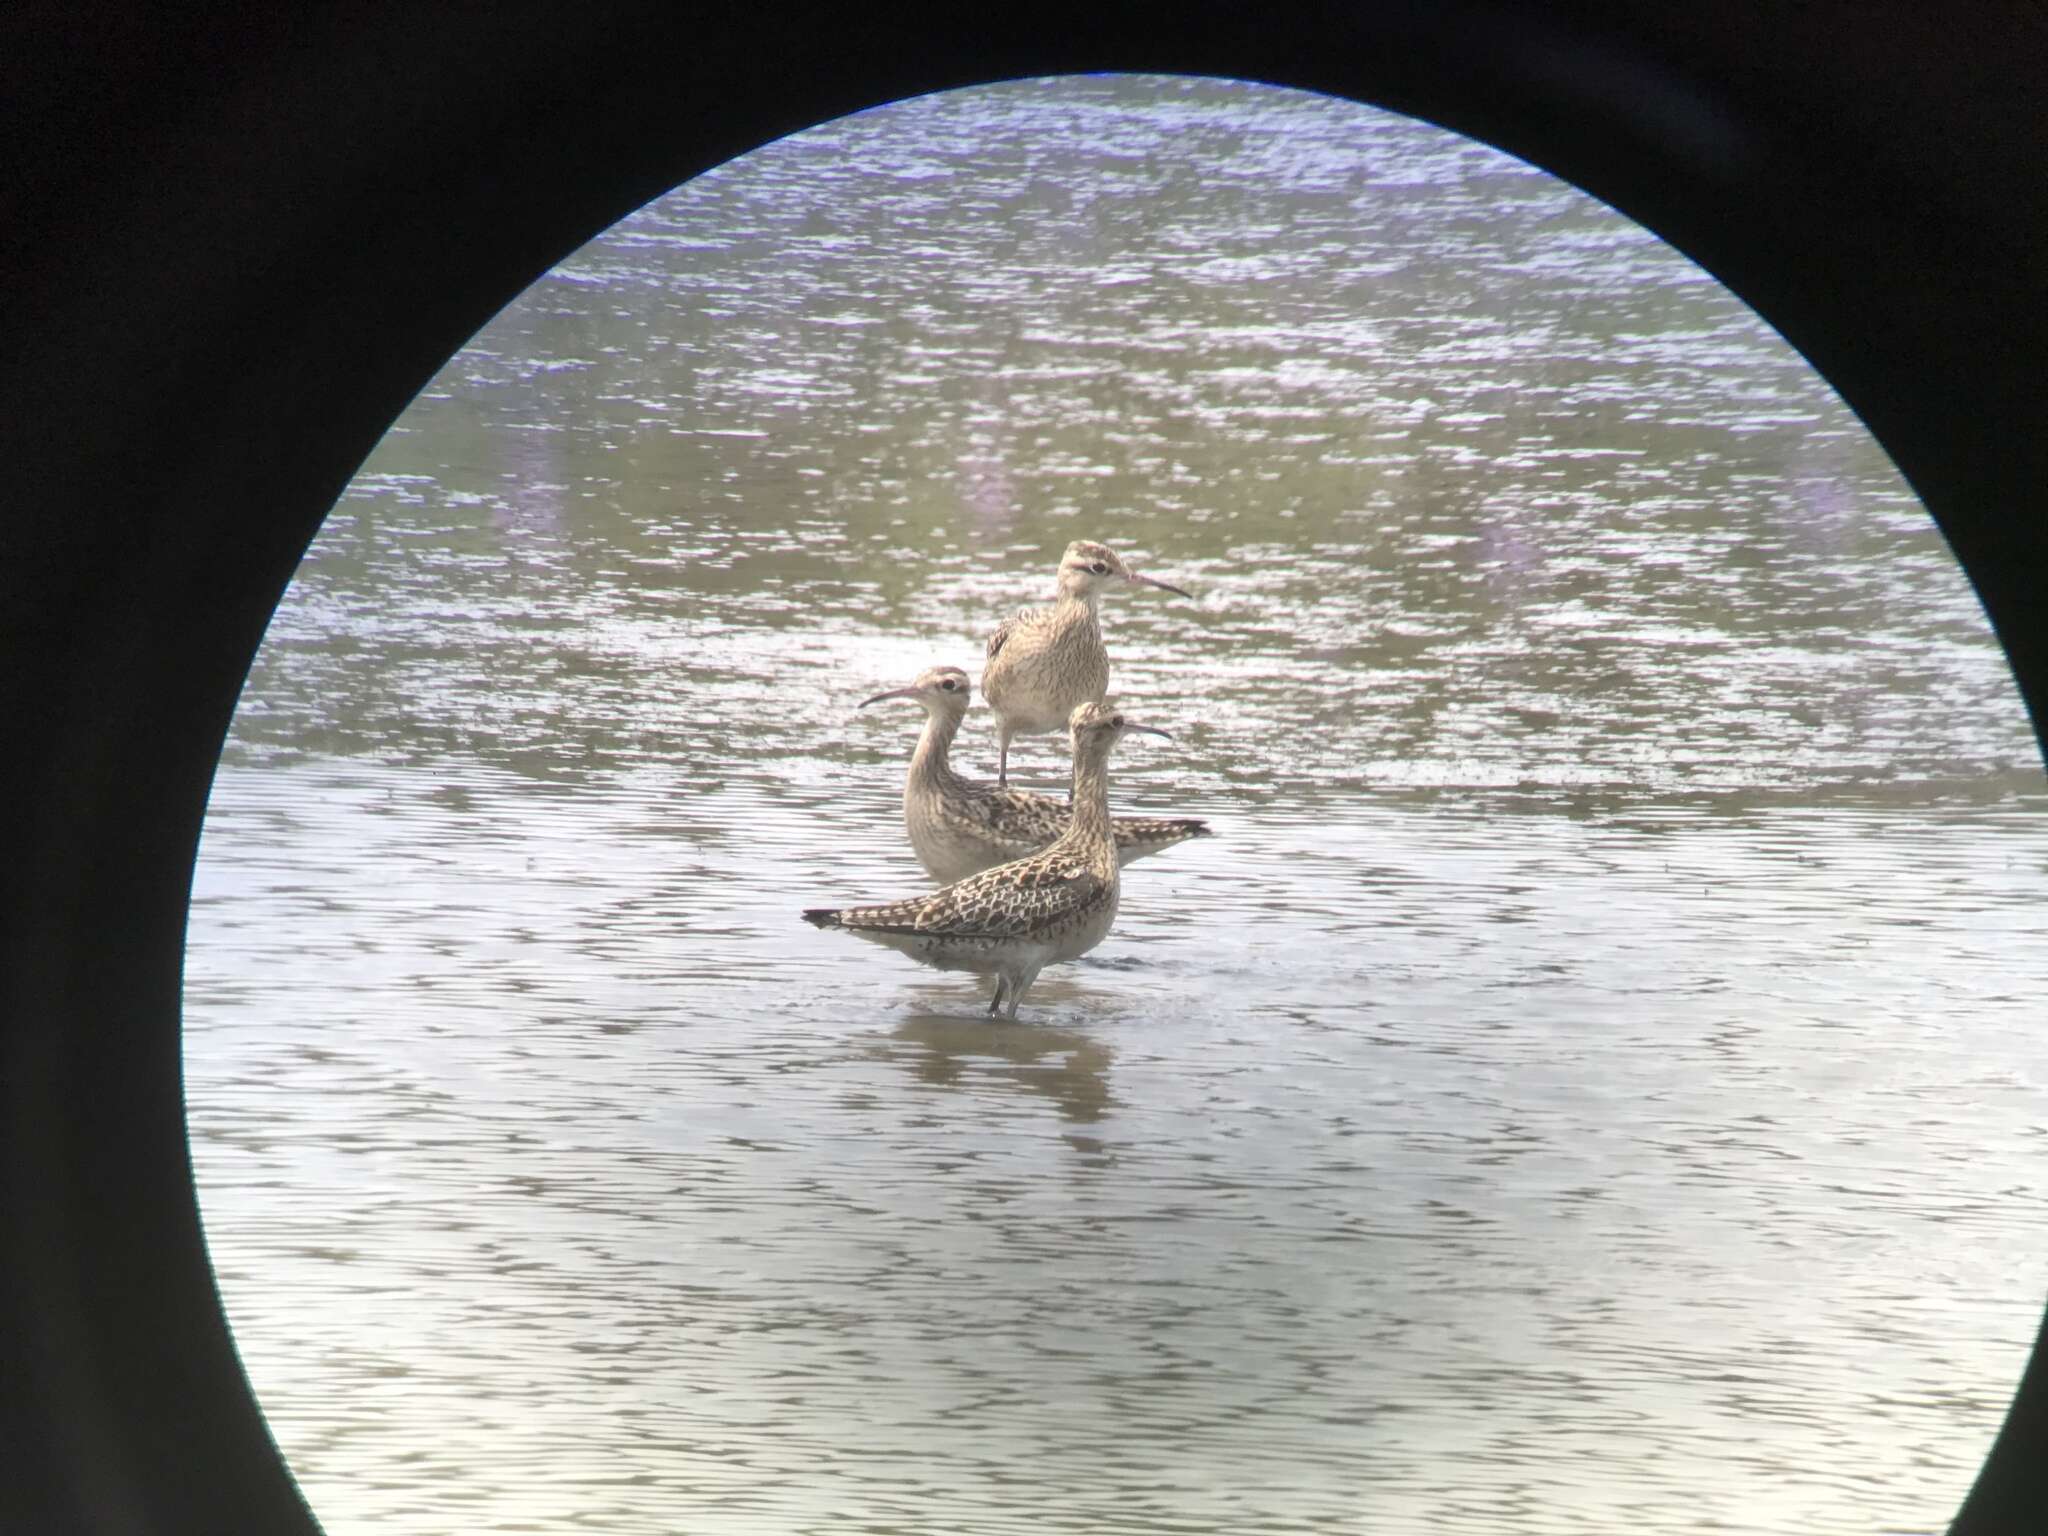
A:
x,y
1153,581
893,693
1150,730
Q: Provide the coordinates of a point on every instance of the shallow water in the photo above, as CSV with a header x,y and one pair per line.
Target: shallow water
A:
x,y
1590,1082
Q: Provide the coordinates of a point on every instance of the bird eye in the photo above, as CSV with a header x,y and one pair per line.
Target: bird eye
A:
x,y
1116,720
949,685
1099,568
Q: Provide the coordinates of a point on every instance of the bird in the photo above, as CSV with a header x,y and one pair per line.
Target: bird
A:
x,y
1044,661
960,826
1012,921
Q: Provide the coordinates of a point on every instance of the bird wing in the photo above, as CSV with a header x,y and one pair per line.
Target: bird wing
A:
x,y
1157,829
1008,901
1016,818
1000,633
1032,895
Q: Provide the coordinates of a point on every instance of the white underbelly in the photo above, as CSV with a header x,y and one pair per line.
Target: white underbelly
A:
x,y
980,956
1048,708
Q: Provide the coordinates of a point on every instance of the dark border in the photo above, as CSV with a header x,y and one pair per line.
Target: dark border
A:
x,y
234,245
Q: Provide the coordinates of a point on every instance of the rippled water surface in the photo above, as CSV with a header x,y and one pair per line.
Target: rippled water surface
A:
x,y
1591,1082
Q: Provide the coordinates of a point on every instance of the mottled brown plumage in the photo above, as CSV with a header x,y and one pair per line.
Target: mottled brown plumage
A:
x,y
1011,921
961,826
1042,662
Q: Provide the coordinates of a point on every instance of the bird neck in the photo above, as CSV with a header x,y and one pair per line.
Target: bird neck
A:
x,y
929,768
1091,797
1080,592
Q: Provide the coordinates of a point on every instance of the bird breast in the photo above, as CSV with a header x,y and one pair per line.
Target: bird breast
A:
x,y
1046,668
1087,931
948,851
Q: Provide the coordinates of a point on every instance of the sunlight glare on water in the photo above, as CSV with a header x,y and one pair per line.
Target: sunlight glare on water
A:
x,y
1588,1083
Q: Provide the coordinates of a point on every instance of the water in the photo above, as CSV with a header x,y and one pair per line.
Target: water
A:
x,y
1591,1081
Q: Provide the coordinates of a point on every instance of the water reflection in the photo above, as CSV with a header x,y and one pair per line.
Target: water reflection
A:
x,y
1072,1070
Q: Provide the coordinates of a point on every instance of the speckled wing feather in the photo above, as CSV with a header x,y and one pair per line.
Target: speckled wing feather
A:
x,y
1157,831
1018,816
1004,630
1022,822
1030,896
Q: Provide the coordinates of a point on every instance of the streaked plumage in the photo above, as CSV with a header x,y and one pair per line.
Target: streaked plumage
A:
x,y
1042,662
1012,921
961,826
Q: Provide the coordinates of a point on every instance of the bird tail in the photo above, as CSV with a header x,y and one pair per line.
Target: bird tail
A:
x,y
1168,829
822,917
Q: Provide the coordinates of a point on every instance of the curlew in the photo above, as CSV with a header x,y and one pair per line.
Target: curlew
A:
x,y
961,826
1012,921
1044,661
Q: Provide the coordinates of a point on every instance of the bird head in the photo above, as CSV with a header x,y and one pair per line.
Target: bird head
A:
x,y
1098,727
1088,567
938,689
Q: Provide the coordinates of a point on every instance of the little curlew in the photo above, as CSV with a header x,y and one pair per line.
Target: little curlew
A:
x,y
961,826
1044,661
1012,921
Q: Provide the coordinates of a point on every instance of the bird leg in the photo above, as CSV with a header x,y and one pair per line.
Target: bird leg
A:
x,y
1002,756
1017,988
995,1003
